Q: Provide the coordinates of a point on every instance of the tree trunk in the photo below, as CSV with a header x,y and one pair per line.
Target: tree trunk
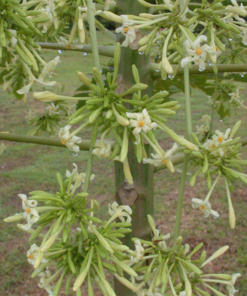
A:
x,y
139,195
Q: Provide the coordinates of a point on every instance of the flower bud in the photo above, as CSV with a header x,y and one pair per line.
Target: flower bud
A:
x,y
218,253
15,218
112,17
45,96
167,66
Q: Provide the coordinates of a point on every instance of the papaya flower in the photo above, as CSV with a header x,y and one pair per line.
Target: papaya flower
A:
x,y
127,30
197,53
205,207
141,122
68,139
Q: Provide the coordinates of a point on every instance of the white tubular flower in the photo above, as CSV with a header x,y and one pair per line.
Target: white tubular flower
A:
x,y
235,96
217,139
109,3
128,30
205,207
163,158
11,41
103,151
161,239
78,178
138,254
44,282
45,13
203,129
122,212
2,148
30,214
183,293
71,109
230,286
32,254
69,140
46,71
140,122
237,11
52,109
197,52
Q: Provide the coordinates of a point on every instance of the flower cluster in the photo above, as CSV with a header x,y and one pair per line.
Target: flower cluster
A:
x,y
69,255
21,64
218,155
105,109
166,270
51,121
171,32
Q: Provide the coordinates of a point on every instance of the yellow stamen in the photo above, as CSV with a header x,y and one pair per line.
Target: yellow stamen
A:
x,y
28,211
63,142
220,139
141,123
30,256
164,161
216,48
213,146
126,29
198,51
202,207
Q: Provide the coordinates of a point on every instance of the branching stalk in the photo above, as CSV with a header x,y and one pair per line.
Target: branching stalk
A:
x,y
186,158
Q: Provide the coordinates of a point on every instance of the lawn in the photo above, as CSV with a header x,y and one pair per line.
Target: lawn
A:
x,y
28,167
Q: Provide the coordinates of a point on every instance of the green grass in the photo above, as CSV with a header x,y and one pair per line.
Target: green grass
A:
x,y
28,167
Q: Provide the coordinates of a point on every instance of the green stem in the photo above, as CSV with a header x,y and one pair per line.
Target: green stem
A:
x,y
90,158
84,145
213,107
92,29
187,156
234,68
107,51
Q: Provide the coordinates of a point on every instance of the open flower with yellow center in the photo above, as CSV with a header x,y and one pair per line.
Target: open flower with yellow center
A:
x,y
68,139
32,254
234,95
78,178
128,30
30,213
217,139
122,212
205,207
163,158
197,52
52,109
141,122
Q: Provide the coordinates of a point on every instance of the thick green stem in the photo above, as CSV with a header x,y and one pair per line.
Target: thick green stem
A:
x,y
195,70
139,195
213,106
93,36
107,51
90,158
187,157
84,145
